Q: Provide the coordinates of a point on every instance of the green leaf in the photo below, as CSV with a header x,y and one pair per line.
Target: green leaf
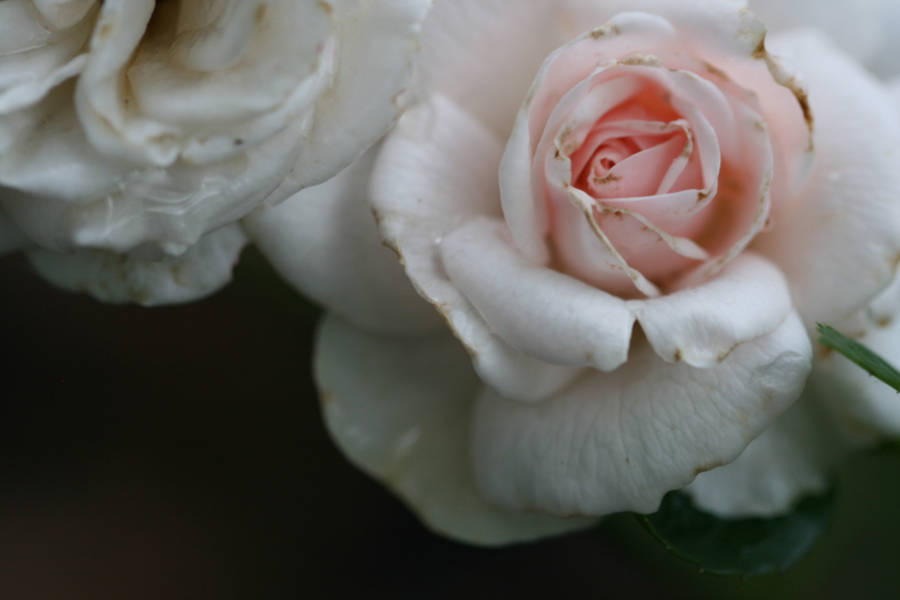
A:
x,y
859,354
752,546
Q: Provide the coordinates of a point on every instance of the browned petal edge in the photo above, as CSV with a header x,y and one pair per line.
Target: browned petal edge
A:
x,y
783,78
442,308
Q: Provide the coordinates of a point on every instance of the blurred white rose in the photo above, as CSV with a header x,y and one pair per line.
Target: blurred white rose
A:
x,y
135,134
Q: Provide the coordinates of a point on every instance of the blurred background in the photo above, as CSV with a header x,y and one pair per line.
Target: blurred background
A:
x,y
178,453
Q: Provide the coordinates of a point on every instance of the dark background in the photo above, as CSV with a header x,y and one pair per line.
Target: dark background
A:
x,y
178,452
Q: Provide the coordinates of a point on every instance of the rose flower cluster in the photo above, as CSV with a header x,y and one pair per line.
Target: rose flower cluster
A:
x,y
583,270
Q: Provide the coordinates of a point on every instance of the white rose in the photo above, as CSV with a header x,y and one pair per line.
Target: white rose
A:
x,y
553,188
135,134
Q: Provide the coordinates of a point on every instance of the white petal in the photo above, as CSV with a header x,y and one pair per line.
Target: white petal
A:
x,y
558,319
199,81
790,460
703,324
483,54
724,25
541,312
435,172
67,195
866,30
324,241
63,13
619,441
379,40
117,278
400,410
840,243
34,56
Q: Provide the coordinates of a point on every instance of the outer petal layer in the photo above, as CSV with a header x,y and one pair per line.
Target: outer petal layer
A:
x,y
40,46
364,98
403,416
790,460
116,278
324,241
846,227
460,58
619,441
436,172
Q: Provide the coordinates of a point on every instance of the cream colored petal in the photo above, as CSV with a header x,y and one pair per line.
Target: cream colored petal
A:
x,y
379,42
324,242
792,459
119,278
839,244
436,172
619,441
42,43
400,409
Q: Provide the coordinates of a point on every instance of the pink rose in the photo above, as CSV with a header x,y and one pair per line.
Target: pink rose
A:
x,y
619,216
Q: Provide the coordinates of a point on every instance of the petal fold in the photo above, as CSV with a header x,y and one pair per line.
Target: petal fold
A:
x,y
364,98
324,241
436,172
119,278
543,313
619,441
400,409
792,459
703,324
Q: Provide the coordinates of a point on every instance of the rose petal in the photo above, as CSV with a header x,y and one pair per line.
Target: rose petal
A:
x,y
790,460
363,100
324,241
543,313
436,172
35,58
111,277
67,195
846,227
400,410
703,325
619,441
63,13
728,40
460,59
635,250
723,26
182,100
558,319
